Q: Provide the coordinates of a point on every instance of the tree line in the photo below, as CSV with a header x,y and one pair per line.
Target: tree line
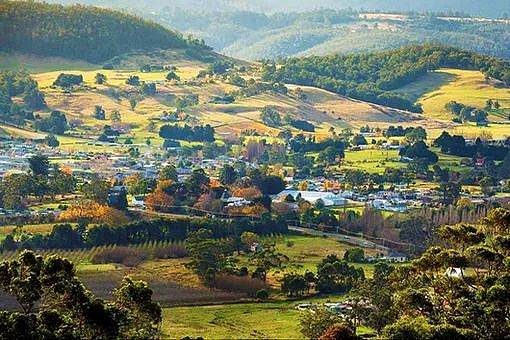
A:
x,y
64,236
197,133
456,145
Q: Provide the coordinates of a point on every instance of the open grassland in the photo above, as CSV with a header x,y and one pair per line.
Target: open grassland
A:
x,y
437,88
32,229
32,63
466,87
237,321
272,320
17,132
233,118
353,112
115,77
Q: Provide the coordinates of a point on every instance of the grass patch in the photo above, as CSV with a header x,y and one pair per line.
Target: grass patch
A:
x,y
466,87
372,161
33,63
426,84
274,320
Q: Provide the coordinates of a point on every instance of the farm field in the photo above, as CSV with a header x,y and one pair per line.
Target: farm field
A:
x,y
305,253
372,161
240,321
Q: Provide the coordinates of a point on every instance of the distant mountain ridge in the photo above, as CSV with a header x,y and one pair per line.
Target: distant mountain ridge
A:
x,y
494,8
251,35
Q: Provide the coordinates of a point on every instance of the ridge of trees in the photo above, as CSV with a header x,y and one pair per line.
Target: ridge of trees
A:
x,y
374,77
81,32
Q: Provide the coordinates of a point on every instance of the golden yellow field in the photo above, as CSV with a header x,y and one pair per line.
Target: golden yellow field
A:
x,y
466,87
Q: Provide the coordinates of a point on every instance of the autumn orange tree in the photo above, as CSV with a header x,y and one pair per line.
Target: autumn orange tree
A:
x,y
93,213
159,201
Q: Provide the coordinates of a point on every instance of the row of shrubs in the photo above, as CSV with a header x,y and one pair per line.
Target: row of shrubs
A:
x,y
240,284
131,256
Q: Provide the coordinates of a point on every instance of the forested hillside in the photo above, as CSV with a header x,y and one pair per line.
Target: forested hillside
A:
x,y
496,8
370,76
79,32
252,35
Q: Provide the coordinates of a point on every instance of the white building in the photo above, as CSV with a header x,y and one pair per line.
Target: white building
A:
x,y
329,198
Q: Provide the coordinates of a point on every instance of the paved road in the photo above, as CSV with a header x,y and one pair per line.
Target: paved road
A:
x,y
339,237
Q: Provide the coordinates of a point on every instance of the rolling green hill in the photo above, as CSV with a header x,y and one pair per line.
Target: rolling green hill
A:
x,y
80,32
373,76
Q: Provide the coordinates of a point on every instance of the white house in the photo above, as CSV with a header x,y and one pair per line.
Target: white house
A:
x,y
453,272
138,201
329,198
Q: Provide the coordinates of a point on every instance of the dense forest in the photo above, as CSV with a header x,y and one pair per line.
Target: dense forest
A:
x,y
80,32
370,76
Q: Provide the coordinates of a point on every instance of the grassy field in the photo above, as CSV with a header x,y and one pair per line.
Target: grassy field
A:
x,y
469,88
279,320
36,64
28,229
305,253
238,321
429,83
372,161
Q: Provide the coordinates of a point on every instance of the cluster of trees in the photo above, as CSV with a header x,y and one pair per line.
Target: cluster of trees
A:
x,y
67,80
398,131
456,145
183,102
302,125
428,299
371,76
270,117
56,123
299,143
419,151
41,180
19,84
90,33
465,113
212,260
333,275
66,309
199,133
64,236
253,88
